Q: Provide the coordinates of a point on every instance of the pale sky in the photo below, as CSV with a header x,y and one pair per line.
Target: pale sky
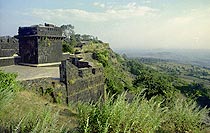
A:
x,y
125,24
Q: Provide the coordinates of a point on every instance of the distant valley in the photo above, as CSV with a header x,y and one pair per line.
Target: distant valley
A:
x,y
184,56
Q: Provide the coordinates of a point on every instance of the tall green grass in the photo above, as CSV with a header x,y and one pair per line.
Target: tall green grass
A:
x,y
140,115
19,116
43,122
8,87
186,116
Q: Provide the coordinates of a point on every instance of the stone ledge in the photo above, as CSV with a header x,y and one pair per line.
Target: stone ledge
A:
x,y
8,61
41,65
31,73
10,57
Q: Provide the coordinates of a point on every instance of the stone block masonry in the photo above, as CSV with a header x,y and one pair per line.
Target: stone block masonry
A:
x,y
82,84
8,61
8,51
40,44
8,46
47,86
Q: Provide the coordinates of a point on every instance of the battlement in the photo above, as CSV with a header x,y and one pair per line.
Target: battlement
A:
x,y
47,30
8,40
74,68
8,46
78,63
40,44
81,79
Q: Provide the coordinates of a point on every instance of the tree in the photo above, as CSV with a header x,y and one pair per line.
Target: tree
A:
x,y
70,41
73,41
67,30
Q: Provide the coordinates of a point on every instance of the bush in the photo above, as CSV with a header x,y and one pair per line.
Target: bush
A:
x,y
102,57
67,47
140,115
185,116
8,87
44,121
120,116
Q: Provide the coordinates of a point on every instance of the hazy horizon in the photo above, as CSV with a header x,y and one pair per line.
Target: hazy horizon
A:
x,y
125,24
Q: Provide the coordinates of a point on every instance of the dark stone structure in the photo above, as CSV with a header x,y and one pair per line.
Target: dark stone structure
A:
x,y
40,44
75,84
8,46
83,82
9,51
47,86
8,61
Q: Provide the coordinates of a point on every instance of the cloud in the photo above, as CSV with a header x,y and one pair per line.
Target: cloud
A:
x,y
97,4
184,20
147,2
120,12
133,25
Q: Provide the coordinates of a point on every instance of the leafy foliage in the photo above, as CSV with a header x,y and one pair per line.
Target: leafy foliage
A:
x,y
192,81
45,121
102,57
67,30
8,87
23,117
141,115
68,45
154,84
197,92
151,82
185,116
120,116
117,79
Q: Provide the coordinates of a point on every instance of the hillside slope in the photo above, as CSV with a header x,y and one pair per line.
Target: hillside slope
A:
x,y
159,102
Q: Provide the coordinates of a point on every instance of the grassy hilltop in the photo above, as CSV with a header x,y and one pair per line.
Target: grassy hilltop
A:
x,y
140,98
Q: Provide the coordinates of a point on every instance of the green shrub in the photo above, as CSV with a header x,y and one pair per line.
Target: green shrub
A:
x,y
185,116
8,87
67,47
44,121
120,116
141,115
103,57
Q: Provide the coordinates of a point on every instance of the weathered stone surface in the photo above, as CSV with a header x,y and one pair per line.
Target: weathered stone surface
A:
x,y
8,46
7,61
40,44
47,86
66,56
50,50
83,84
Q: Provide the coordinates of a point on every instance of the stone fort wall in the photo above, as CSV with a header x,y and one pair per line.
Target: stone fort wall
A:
x,y
79,81
53,88
40,44
8,46
75,84
82,84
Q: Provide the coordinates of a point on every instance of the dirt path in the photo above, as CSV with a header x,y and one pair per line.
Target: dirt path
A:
x,y
27,72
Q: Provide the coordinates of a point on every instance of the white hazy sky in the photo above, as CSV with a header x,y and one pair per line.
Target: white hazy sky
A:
x,y
125,24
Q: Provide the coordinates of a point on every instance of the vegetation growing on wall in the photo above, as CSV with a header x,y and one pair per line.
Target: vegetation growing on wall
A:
x,y
161,102
45,42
